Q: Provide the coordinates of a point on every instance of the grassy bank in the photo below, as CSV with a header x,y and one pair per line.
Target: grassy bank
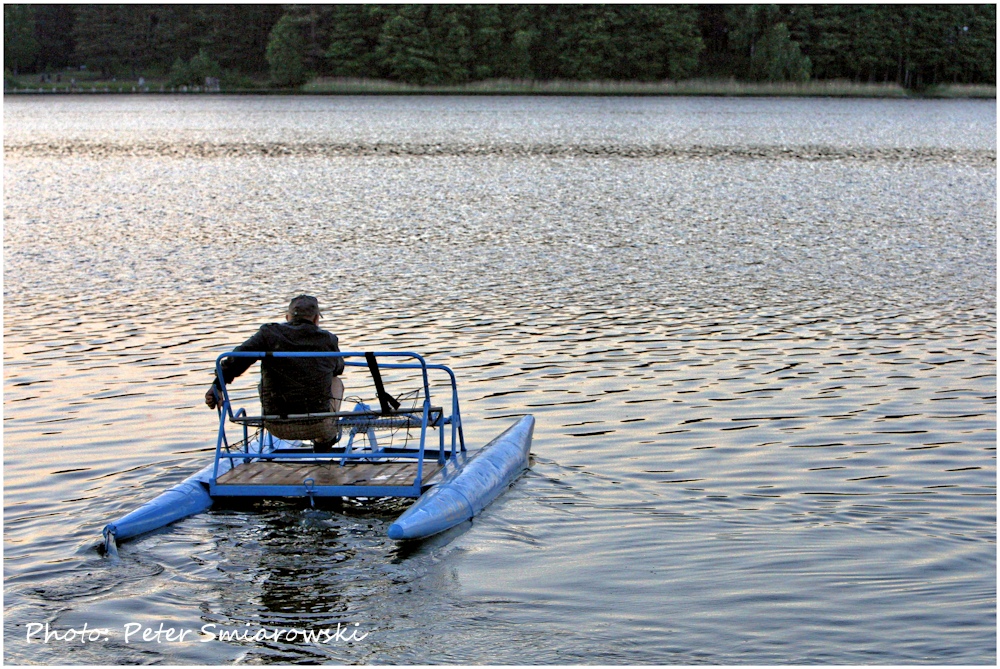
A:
x,y
729,87
344,86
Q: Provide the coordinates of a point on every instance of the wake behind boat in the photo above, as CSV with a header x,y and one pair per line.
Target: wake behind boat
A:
x,y
389,445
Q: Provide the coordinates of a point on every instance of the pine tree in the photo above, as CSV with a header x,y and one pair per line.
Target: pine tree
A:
x,y
53,29
763,45
521,44
585,44
405,50
93,30
20,48
354,33
486,42
680,43
285,53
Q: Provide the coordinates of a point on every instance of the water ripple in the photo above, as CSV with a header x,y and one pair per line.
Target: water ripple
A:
x,y
208,150
763,373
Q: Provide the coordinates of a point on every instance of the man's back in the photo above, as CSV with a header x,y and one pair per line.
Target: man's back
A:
x,y
291,385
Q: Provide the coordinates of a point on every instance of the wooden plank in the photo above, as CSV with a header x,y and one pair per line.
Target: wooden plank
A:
x,y
390,472
353,474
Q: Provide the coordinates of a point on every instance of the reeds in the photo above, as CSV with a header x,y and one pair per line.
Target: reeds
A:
x,y
720,87
692,87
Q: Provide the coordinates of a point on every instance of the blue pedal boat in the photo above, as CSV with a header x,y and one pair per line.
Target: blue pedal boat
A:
x,y
385,449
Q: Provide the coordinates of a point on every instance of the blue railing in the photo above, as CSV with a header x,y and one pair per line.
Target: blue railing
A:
x,y
224,451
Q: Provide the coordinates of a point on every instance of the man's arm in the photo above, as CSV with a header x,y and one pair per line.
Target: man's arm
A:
x,y
338,367
233,367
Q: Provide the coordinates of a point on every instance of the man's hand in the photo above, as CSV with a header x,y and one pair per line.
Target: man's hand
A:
x,y
210,398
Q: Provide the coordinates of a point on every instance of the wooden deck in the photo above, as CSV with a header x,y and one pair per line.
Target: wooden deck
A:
x,y
355,473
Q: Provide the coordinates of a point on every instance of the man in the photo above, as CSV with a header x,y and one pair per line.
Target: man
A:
x,y
292,385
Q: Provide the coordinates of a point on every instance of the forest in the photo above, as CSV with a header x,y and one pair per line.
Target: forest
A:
x,y
913,46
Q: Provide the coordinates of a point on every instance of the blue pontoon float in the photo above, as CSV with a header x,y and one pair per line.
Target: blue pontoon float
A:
x,y
388,450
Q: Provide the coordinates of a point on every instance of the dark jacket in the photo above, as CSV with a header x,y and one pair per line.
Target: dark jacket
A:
x,y
290,385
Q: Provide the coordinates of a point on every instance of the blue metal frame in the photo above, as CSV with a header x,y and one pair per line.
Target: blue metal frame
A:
x,y
226,414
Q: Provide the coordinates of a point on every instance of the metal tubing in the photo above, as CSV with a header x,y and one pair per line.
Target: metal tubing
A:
x,y
418,362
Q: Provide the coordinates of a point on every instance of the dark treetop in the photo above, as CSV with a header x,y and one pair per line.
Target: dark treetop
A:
x,y
285,45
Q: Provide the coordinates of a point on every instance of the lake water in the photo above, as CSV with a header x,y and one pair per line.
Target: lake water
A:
x,y
758,337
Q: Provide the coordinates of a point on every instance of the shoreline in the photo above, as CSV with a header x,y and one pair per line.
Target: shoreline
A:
x,y
690,88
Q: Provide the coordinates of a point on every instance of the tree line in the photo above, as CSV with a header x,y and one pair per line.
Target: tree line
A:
x,y
911,45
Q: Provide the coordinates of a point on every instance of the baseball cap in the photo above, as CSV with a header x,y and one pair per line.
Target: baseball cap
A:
x,y
303,306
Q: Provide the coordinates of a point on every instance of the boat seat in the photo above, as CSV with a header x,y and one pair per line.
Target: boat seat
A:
x,y
319,429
